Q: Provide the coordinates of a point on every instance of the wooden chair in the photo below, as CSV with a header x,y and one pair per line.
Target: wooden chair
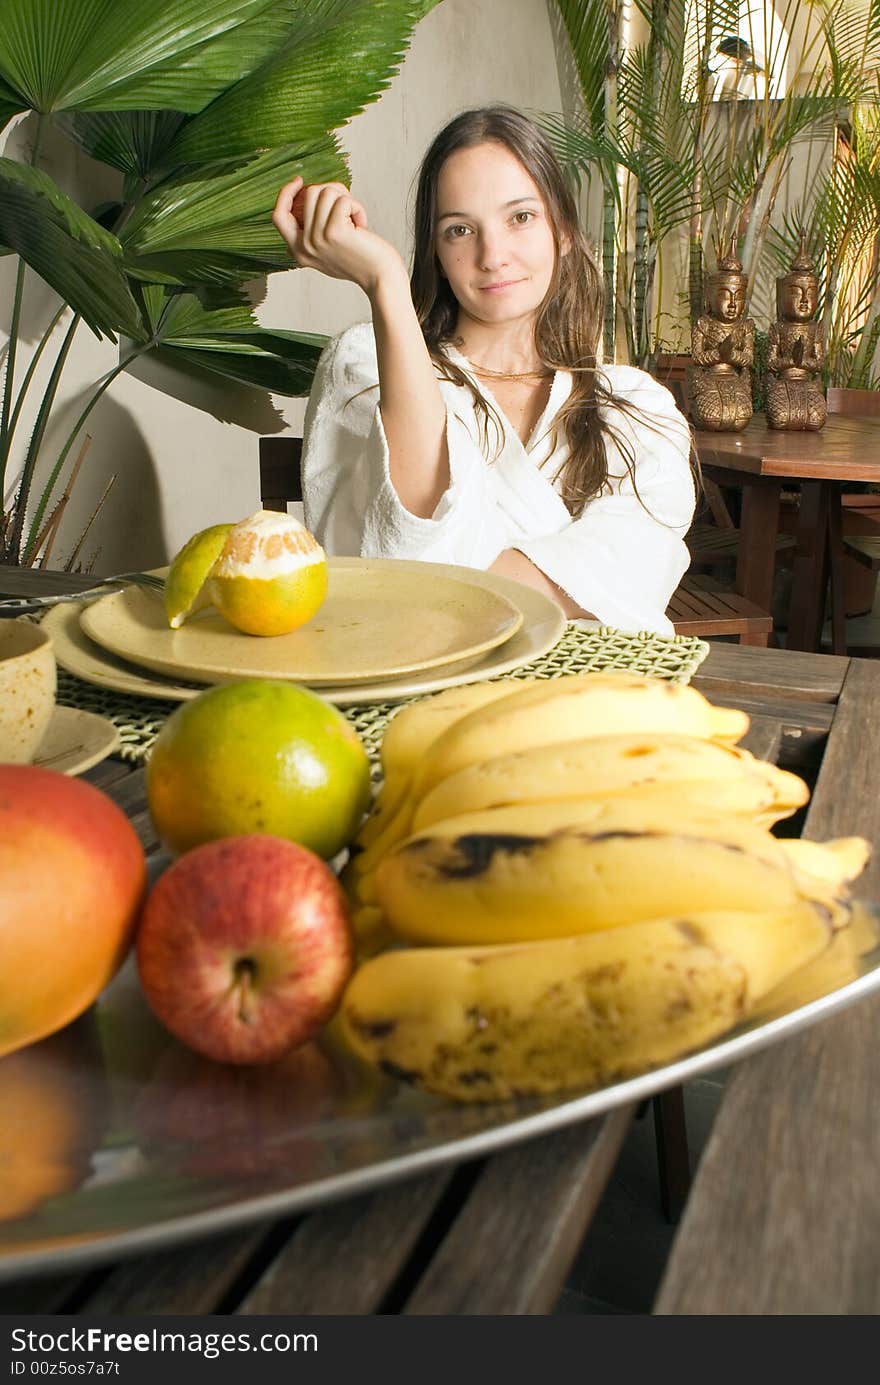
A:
x,y
714,541
280,471
698,607
701,606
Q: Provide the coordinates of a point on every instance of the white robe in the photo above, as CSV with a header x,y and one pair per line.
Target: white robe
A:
x,y
621,559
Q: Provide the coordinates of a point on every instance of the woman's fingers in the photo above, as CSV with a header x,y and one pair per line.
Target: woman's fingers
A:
x,y
283,218
319,223
344,216
284,201
332,200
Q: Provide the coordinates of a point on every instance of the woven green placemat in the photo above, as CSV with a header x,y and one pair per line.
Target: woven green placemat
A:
x,y
140,719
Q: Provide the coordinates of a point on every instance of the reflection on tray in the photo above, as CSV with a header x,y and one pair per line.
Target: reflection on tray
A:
x,y
119,1130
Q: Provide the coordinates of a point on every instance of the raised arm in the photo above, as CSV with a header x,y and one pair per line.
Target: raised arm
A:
x,y
335,238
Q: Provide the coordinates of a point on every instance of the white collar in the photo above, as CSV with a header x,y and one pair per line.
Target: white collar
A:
x,y
559,392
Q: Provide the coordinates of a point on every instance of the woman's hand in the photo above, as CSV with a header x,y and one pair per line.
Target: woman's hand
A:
x,y
334,236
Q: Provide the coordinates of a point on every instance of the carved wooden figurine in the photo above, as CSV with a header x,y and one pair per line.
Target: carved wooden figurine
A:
x,y
796,352
723,348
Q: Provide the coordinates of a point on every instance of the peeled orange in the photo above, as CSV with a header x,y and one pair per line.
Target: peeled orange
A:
x,y
271,576
267,574
258,756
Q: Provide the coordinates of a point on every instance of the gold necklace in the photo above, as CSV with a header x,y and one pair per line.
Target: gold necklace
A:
x,y
487,374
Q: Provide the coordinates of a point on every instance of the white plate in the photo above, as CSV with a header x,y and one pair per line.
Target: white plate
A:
x,y
75,740
381,619
543,625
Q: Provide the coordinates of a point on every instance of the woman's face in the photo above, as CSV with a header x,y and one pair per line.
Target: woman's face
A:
x,y
493,236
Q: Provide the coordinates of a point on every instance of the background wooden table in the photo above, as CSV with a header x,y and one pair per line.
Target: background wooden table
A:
x,y
784,1215
761,460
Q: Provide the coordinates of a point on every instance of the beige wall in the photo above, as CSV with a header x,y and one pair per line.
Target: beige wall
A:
x,y
180,469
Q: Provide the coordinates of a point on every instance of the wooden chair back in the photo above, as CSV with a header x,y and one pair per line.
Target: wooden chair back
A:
x,y
280,471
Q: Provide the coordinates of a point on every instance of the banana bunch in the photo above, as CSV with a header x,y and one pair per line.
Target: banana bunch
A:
x,y
583,872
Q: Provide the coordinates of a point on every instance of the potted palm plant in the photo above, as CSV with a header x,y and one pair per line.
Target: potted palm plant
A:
x,y
201,109
685,162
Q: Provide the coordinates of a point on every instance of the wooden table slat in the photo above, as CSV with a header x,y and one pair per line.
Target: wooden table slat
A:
x,y
804,725
771,673
763,738
784,1213
191,1280
850,770
344,1258
510,1248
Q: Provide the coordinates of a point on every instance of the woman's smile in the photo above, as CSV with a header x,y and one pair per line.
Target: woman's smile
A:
x,y
500,285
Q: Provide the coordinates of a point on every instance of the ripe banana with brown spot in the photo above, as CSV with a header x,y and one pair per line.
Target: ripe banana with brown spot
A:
x,y
570,708
546,712
408,736
703,771
492,1023
546,870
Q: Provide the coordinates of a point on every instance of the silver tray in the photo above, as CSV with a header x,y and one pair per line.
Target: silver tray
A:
x,y
117,1141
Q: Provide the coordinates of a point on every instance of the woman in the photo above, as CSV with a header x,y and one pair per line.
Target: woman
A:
x,y
468,423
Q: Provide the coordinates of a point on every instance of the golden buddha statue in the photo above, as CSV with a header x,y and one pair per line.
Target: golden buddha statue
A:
x,y
719,383
796,352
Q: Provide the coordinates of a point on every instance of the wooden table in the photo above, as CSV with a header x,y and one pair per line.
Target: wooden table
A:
x,y
784,1213
762,460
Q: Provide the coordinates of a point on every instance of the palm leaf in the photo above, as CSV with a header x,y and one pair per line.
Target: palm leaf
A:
x,y
214,225
11,103
79,259
329,68
132,141
227,340
587,25
127,55
581,151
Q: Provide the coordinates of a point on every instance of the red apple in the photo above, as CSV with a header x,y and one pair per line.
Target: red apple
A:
x,y
244,947
298,206
72,878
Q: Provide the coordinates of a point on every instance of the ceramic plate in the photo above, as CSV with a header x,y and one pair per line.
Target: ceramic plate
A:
x,y
76,653
543,624
376,622
75,740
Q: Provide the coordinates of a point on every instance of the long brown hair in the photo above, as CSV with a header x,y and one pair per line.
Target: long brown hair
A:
x,y
569,320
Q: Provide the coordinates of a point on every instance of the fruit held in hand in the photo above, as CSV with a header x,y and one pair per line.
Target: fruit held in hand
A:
x,y
258,756
271,575
72,877
185,586
244,948
298,207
